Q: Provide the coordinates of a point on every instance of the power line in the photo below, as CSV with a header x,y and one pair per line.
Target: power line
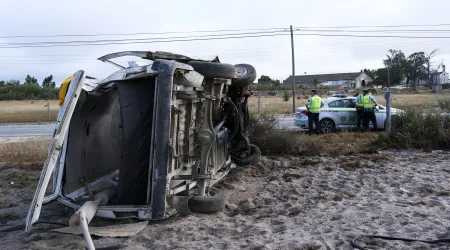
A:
x,y
217,31
376,36
135,39
373,31
136,34
374,26
144,42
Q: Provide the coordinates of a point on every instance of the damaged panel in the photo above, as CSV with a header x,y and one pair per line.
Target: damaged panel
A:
x,y
136,102
94,139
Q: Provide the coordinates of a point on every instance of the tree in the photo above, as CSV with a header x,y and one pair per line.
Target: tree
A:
x,y
264,80
48,82
2,83
415,69
315,82
30,80
380,77
13,83
276,83
429,65
398,64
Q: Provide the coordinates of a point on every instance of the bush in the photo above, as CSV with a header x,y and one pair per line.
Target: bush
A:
x,y
445,105
27,92
413,129
286,96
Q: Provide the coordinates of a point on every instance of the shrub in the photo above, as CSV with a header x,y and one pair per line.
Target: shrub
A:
x,y
286,96
445,104
413,129
27,92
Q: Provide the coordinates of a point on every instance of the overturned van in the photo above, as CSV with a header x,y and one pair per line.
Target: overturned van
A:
x,y
149,141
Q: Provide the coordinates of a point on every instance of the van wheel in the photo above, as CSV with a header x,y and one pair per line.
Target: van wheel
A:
x,y
213,69
245,75
327,125
253,158
212,202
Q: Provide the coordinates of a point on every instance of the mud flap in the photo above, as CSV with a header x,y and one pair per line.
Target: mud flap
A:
x,y
180,203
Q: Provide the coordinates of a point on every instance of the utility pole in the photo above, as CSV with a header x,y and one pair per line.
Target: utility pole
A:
x,y
388,98
293,71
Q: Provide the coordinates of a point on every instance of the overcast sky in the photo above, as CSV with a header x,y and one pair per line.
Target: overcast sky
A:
x,y
270,55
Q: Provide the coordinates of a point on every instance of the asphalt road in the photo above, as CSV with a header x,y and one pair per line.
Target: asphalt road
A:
x,y
25,130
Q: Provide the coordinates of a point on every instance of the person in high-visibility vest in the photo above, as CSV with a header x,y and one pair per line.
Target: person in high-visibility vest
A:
x,y
359,110
63,90
314,105
369,104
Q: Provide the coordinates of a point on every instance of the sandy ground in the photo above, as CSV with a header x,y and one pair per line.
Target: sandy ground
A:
x,y
282,203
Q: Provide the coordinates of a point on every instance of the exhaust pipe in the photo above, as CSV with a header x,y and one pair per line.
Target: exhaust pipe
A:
x,y
86,213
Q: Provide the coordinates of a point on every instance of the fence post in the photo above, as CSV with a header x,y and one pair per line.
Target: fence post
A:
x,y
48,110
259,104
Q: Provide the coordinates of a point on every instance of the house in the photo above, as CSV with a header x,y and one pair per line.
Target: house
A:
x,y
437,79
342,80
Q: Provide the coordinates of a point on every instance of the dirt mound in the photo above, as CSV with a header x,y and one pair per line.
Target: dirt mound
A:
x,y
287,203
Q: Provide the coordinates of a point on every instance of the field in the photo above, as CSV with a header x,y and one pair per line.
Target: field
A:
x,y
36,111
27,111
276,104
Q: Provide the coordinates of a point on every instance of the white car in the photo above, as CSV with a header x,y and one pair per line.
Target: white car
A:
x,y
339,113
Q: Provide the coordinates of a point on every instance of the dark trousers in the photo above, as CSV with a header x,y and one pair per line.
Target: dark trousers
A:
x,y
369,116
313,117
359,117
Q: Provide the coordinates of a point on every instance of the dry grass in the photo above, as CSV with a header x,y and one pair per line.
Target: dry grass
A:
x,y
27,111
276,104
26,153
276,142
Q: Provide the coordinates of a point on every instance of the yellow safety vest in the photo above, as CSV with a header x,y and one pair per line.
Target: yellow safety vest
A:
x,y
367,102
360,101
314,106
63,90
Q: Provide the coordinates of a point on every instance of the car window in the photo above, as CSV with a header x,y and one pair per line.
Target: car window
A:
x,y
336,104
348,104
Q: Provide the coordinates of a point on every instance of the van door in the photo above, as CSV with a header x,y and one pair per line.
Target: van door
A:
x,y
56,145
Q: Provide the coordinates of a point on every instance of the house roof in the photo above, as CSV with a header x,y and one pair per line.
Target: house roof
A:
x,y
324,77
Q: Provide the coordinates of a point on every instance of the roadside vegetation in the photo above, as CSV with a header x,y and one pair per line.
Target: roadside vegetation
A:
x,y
29,153
271,141
30,89
414,129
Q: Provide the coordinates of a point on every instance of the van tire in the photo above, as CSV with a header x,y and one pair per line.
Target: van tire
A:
x,y
245,75
208,204
253,158
214,70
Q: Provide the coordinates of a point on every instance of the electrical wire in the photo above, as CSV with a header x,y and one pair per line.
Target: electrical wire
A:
x,y
144,42
222,30
139,39
138,33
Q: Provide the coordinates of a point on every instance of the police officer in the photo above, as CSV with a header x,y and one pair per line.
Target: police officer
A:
x,y
359,110
369,104
314,105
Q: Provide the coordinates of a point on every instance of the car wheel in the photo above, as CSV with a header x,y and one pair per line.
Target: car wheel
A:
x,y
214,70
327,125
212,202
253,158
244,76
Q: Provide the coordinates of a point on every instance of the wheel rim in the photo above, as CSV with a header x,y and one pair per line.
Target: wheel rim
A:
x,y
327,126
240,72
